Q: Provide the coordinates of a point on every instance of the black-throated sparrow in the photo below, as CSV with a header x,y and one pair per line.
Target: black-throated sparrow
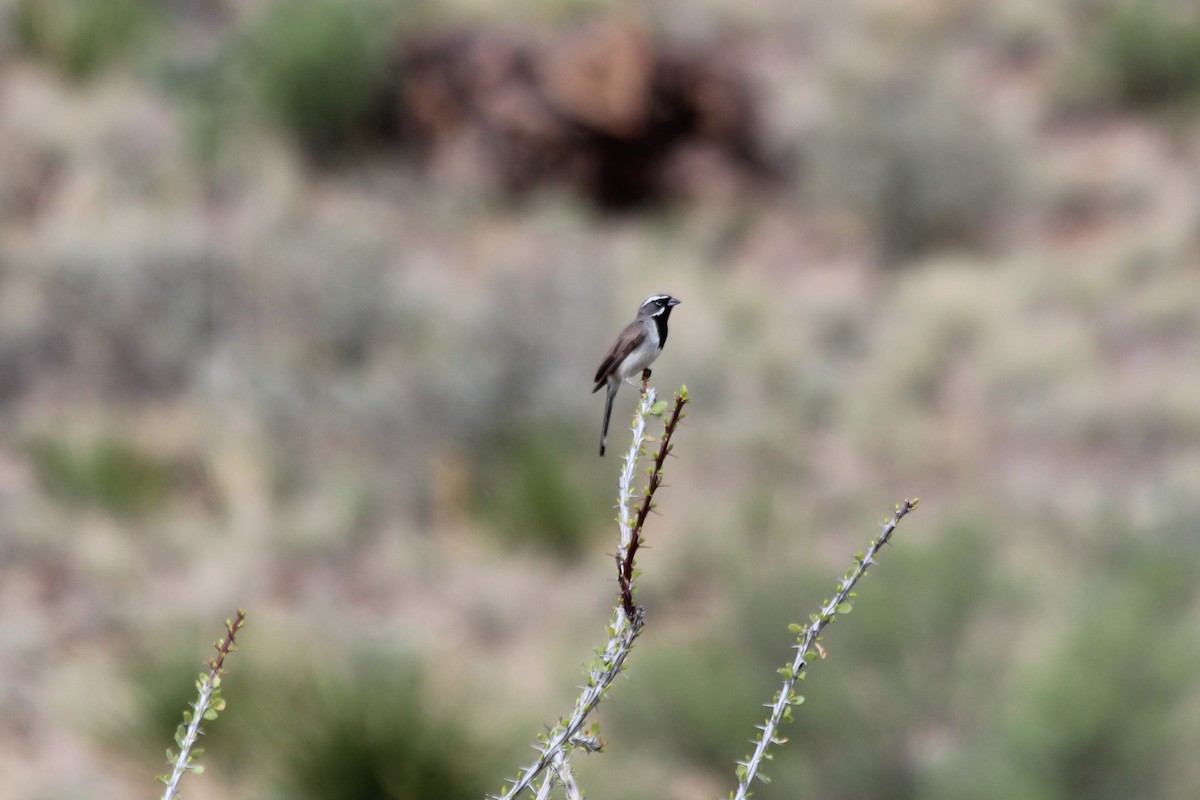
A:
x,y
633,351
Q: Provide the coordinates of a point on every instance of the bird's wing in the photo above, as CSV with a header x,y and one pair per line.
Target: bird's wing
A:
x,y
633,335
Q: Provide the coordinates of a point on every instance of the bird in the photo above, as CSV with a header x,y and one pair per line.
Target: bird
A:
x,y
634,350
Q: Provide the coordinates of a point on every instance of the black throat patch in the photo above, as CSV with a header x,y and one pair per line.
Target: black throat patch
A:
x,y
660,322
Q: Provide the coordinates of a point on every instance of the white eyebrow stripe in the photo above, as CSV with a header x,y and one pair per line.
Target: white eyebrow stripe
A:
x,y
654,297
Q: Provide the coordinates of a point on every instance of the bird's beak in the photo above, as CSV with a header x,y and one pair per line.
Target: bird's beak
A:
x,y
672,302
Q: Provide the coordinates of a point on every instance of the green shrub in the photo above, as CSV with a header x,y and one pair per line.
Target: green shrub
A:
x,y
706,688
357,726
1106,709
1145,55
79,37
320,69
536,498
107,474
362,733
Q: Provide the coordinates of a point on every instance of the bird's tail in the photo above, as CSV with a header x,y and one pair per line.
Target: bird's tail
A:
x,y
608,401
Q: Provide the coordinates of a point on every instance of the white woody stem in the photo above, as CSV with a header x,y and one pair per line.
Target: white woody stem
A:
x,y
562,768
199,709
748,769
622,630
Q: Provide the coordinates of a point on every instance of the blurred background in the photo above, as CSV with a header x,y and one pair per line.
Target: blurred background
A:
x,y
299,306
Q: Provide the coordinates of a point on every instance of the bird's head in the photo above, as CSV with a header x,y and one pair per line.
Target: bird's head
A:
x,y
657,305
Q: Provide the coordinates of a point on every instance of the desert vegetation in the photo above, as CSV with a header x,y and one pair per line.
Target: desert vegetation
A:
x,y
300,303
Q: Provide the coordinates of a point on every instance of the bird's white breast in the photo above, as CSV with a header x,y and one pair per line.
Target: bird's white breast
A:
x,y
642,356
